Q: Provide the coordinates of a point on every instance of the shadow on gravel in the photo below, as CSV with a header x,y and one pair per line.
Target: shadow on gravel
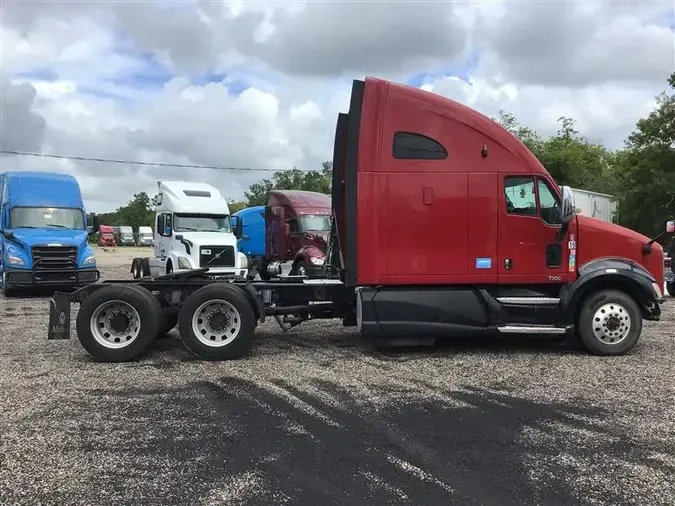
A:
x,y
237,442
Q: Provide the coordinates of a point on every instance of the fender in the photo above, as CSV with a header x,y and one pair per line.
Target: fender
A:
x,y
609,272
308,251
178,261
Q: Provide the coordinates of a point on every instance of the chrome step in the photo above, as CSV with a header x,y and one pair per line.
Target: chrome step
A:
x,y
529,329
528,301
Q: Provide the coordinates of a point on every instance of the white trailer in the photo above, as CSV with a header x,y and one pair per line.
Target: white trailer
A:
x,y
192,230
596,205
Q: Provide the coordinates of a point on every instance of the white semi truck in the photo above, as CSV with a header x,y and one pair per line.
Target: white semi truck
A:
x,y
145,236
192,230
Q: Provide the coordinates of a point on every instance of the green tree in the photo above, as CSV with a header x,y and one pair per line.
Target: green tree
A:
x,y
235,205
294,179
139,211
645,169
570,158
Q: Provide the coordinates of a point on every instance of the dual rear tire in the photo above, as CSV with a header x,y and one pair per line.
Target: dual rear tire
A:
x,y
118,323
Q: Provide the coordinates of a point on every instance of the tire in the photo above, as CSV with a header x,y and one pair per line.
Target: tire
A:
x,y
145,267
7,289
136,268
261,267
671,289
169,321
118,298
602,318
169,267
299,269
227,301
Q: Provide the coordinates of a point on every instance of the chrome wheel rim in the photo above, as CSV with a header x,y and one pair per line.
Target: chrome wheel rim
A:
x,y
301,270
115,324
216,323
611,323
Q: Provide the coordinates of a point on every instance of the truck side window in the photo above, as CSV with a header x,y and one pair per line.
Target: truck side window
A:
x,y
160,224
293,224
520,197
548,204
412,146
168,224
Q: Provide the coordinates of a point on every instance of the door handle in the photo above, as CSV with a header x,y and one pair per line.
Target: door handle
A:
x,y
508,263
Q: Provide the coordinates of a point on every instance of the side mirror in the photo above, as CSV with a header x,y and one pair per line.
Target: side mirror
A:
x,y
96,225
237,226
287,228
670,226
567,206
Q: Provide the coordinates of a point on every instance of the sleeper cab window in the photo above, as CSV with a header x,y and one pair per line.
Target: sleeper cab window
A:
x,y
412,146
520,197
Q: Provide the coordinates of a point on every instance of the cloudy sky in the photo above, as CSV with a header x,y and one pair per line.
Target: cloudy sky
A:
x,y
258,84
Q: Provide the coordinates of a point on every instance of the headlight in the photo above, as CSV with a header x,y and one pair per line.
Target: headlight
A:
x,y
316,260
90,261
15,260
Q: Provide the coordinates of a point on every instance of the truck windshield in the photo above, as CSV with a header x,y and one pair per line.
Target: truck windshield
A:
x,y
312,222
46,217
201,223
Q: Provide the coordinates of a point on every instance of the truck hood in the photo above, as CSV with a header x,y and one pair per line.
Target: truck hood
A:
x,y
209,238
599,238
64,237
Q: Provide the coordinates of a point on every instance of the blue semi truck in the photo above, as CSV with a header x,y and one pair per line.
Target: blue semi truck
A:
x,y
251,240
44,233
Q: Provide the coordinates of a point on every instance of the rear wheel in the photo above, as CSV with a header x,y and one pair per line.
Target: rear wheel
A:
x,y
217,322
671,289
136,268
119,322
145,267
610,323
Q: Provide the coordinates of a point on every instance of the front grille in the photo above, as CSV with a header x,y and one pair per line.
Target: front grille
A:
x,y
54,258
207,253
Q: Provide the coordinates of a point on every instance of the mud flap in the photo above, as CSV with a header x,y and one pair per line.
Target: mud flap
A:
x,y
59,316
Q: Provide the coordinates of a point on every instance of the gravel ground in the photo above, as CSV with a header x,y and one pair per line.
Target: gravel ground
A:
x,y
315,417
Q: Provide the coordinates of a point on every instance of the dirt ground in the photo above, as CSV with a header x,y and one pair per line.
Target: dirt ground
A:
x,y
314,416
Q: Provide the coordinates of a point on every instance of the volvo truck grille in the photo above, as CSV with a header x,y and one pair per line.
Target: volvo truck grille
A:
x,y
54,258
225,255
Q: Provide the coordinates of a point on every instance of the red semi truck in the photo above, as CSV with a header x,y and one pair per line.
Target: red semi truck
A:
x,y
446,223
106,236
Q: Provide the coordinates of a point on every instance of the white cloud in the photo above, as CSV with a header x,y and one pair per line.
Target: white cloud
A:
x,y
117,80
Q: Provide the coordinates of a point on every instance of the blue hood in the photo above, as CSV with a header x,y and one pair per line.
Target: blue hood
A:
x,y
34,236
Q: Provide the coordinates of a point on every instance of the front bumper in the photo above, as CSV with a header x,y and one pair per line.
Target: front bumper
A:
x,y
31,278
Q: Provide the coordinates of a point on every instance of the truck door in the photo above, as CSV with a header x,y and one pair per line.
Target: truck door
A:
x,y
528,225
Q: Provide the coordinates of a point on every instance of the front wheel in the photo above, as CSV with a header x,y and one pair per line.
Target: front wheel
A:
x,y
300,268
610,323
217,322
670,287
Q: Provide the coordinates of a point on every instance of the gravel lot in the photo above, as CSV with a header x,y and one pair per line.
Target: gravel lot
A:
x,y
315,417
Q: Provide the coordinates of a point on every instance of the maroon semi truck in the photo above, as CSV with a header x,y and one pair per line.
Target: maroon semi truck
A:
x,y
297,224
